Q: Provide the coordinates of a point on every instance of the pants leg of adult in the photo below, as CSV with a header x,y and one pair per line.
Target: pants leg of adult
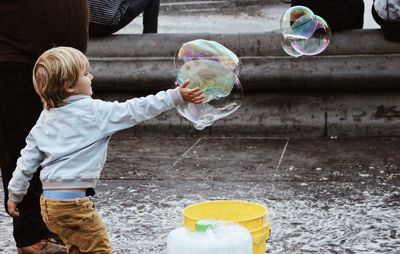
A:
x,y
150,17
150,9
20,107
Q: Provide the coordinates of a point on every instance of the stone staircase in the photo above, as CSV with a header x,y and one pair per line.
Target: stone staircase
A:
x,y
351,89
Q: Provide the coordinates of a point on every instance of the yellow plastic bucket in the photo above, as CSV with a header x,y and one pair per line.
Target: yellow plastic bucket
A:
x,y
250,215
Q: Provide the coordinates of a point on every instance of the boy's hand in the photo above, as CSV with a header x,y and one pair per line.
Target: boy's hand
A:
x,y
12,208
193,95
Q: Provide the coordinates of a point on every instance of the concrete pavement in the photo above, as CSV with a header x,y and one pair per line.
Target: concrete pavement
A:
x,y
324,195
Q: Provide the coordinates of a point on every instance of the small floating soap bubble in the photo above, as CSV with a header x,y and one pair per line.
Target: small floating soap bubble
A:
x,y
298,22
303,32
317,42
286,44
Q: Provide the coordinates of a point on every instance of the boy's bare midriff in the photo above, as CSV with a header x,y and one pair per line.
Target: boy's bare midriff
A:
x,y
68,190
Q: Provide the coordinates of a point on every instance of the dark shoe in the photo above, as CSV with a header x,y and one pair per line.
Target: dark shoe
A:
x,y
45,246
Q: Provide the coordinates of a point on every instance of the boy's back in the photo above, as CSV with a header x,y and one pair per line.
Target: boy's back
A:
x,y
70,142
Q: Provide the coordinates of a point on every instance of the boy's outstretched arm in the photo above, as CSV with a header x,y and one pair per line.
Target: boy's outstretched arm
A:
x,y
193,95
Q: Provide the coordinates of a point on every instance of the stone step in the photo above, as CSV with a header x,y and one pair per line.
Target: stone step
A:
x,y
177,6
248,2
279,113
243,44
235,2
193,6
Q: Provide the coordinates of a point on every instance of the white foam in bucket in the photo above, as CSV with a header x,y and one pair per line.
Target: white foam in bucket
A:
x,y
222,238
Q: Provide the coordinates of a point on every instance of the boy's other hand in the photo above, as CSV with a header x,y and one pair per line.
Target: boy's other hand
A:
x,y
193,95
12,208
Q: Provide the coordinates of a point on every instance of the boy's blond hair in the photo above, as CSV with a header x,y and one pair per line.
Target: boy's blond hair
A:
x,y
56,70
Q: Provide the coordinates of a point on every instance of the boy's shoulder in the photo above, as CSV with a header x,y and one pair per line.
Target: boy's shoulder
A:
x,y
72,105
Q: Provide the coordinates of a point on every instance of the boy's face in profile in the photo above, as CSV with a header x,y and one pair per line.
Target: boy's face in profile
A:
x,y
83,85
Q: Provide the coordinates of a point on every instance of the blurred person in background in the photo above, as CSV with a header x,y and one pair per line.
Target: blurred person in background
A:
x,y
339,14
387,14
109,16
27,29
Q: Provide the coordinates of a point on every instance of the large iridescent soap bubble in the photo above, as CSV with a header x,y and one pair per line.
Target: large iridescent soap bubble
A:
x,y
205,49
303,32
214,72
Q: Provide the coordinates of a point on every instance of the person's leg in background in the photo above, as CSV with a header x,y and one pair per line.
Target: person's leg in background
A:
x,y
19,109
150,17
105,21
150,9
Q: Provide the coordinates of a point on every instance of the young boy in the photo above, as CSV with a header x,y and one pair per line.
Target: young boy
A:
x,y
69,142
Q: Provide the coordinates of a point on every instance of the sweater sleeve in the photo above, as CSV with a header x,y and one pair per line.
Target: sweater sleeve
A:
x,y
27,165
115,116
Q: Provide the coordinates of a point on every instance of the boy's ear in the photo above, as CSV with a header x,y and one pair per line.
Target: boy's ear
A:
x,y
68,87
